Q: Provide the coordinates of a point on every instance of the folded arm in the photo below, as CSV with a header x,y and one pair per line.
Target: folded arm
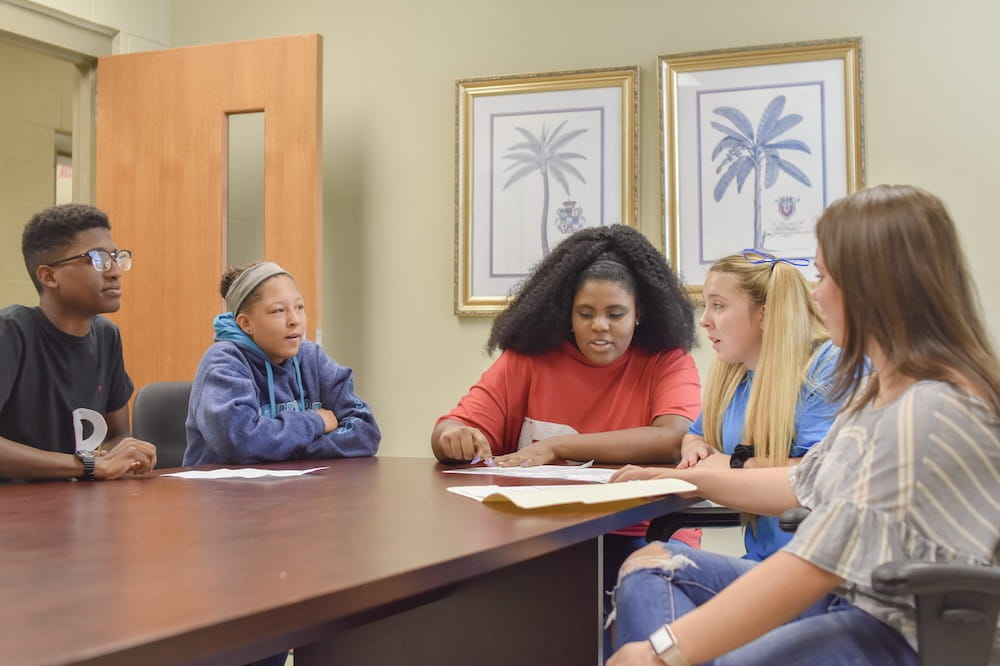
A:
x,y
357,433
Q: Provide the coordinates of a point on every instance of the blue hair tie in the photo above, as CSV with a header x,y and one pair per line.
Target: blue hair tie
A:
x,y
755,256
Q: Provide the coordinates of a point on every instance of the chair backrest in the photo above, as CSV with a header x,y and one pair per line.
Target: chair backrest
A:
x,y
158,416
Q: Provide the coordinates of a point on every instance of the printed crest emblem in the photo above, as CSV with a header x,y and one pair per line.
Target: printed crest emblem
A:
x,y
786,206
570,217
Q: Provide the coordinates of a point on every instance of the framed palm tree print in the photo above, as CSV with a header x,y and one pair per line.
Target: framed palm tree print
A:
x,y
538,156
756,143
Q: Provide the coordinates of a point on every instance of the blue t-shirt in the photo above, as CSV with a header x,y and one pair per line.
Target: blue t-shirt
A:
x,y
814,415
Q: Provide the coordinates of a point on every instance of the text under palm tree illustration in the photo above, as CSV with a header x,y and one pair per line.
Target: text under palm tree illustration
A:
x,y
745,152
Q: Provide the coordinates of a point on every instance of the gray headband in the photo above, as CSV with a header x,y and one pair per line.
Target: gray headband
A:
x,y
248,280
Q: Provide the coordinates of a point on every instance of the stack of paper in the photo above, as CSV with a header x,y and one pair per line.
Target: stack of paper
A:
x,y
533,497
582,472
241,473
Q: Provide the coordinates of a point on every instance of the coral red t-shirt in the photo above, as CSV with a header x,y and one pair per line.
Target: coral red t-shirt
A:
x,y
563,388
524,397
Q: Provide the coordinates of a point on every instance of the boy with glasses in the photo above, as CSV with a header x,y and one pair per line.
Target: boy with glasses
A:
x,y
63,387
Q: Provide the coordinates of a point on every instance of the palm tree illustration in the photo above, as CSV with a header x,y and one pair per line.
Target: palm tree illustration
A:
x,y
746,154
542,153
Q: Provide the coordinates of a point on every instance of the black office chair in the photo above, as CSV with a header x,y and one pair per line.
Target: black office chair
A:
x,y
957,604
158,416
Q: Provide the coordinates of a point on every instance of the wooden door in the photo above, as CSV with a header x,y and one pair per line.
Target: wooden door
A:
x,y
161,177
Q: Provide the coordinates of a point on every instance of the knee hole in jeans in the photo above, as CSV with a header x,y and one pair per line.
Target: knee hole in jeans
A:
x,y
654,556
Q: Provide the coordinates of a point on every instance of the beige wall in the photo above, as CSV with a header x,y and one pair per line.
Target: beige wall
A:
x,y
389,73
36,100
37,93
140,25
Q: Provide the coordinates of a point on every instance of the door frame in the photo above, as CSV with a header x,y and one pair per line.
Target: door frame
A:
x,y
77,41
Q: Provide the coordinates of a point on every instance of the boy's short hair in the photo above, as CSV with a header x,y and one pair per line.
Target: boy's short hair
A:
x,y
51,231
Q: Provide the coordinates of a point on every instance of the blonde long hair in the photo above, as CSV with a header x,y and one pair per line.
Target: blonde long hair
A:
x,y
793,331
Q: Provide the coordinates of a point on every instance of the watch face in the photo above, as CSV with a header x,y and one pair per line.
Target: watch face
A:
x,y
661,640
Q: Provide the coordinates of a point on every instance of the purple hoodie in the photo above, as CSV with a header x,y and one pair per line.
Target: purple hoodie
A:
x,y
230,417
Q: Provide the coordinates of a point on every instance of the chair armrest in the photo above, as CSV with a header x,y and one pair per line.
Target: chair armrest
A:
x,y
901,577
956,607
662,527
789,520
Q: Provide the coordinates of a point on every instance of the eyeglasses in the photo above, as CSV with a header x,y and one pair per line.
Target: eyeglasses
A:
x,y
101,259
754,256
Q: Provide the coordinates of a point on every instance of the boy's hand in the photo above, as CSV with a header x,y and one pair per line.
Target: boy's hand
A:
x,y
130,455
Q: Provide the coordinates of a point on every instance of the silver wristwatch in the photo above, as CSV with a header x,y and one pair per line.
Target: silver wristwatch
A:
x,y
87,458
665,647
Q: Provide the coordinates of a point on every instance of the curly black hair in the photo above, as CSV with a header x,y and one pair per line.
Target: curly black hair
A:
x,y
230,276
54,229
539,317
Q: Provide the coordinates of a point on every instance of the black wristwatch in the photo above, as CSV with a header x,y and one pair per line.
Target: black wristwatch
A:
x,y
741,454
87,458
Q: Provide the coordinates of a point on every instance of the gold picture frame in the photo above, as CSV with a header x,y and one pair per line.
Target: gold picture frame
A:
x,y
577,130
723,189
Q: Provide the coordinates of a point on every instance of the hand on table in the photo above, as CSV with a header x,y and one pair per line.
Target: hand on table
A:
x,y
718,460
129,456
636,473
695,453
536,453
462,442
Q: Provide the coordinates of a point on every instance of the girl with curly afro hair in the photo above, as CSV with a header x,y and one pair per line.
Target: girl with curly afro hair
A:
x,y
595,362
595,366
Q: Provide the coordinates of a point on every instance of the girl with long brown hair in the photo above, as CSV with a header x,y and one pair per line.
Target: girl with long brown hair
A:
x,y
910,469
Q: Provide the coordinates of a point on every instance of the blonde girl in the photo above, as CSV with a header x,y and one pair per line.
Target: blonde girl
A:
x,y
767,397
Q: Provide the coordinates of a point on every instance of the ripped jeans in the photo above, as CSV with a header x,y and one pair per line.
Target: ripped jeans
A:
x,y
832,632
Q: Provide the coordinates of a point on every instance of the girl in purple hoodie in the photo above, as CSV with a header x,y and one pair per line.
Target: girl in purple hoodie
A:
x,y
262,391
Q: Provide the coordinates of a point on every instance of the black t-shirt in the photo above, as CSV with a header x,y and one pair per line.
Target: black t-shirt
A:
x,y
46,374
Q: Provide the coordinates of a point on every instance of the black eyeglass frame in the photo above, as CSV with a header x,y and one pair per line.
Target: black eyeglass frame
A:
x,y
97,260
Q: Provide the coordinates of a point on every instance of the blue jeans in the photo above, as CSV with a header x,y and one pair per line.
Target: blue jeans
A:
x,y
616,548
832,632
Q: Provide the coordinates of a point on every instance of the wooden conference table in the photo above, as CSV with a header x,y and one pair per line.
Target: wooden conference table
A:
x,y
367,562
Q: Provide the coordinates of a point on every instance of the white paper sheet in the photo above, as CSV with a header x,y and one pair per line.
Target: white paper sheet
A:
x,y
568,472
241,473
533,497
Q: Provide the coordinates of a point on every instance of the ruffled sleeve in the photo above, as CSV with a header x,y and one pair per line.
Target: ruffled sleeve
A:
x,y
851,540
915,480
